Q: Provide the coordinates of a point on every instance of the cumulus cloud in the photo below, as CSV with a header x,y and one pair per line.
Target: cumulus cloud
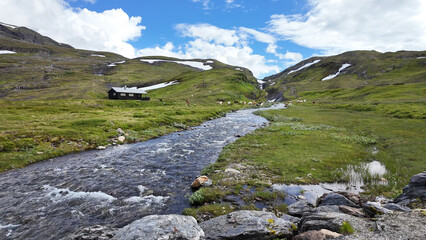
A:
x,y
228,46
337,26
106,31
209,33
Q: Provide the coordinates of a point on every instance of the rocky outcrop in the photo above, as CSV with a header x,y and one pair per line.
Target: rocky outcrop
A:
x,y
248,225
415,190
318,221
155,227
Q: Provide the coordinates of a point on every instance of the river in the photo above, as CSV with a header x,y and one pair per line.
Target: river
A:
x,y
113,187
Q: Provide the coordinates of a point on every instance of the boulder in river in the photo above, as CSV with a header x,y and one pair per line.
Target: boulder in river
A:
x,y
155,227
248,225
414,191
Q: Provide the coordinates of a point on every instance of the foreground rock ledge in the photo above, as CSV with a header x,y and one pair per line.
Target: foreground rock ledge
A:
x,y
248,225
155,227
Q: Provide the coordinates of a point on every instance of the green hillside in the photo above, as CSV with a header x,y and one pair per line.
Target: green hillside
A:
x,y
367,69
53,98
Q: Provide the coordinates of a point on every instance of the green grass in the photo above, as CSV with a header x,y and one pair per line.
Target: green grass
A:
x,y
312,143
368,69
32,131
346,228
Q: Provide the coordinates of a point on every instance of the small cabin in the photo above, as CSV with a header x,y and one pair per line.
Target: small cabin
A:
x,y
128,93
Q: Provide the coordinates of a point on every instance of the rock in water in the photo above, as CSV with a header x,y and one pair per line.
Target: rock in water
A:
x,y
155,227
248,225
200,181
416,189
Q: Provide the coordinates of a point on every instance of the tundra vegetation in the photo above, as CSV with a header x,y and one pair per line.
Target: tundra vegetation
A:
x,y
335,130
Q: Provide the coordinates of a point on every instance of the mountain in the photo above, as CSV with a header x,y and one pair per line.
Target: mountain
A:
x,y
43,68
349,70
27,35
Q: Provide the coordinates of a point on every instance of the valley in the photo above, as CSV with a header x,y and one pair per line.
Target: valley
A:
x,y
83,156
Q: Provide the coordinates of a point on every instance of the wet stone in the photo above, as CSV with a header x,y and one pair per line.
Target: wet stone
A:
x,y
337,199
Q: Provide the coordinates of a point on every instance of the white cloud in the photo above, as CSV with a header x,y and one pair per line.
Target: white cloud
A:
x,y
167,50
206,3
209,33
107,31
228,46
336,26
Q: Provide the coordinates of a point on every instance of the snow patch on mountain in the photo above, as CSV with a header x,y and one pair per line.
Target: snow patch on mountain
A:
x,y
338,72
304,66
194,64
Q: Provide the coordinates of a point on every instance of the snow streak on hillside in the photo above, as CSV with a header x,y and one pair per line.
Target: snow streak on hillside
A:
x,y
304,66
338,72
194,64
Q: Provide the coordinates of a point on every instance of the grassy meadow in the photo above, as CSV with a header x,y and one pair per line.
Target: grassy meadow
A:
x,y
310,143
57,104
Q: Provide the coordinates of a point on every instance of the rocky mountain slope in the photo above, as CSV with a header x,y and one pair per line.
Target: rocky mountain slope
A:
x,y
349,70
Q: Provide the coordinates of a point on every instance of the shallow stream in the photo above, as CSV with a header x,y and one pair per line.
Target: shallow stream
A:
x,y
113,187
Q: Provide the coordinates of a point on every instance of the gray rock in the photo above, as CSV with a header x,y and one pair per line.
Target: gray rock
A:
x,y
96,232
327,209
247,225
291,219
231,170
318,235
318,221
155,227
416,189
374,208
299,208
397,207
357,212
337,199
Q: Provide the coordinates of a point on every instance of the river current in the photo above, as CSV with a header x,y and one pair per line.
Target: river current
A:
x,y
113,187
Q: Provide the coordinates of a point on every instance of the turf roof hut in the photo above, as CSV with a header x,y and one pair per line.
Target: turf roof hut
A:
x,y
132,93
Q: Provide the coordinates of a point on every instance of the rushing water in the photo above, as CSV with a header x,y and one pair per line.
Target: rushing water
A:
x,y
113,187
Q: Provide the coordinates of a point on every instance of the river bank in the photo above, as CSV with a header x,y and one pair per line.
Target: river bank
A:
x,y
311,144
115,186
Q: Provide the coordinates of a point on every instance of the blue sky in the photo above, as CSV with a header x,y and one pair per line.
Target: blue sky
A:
x,y
265,36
